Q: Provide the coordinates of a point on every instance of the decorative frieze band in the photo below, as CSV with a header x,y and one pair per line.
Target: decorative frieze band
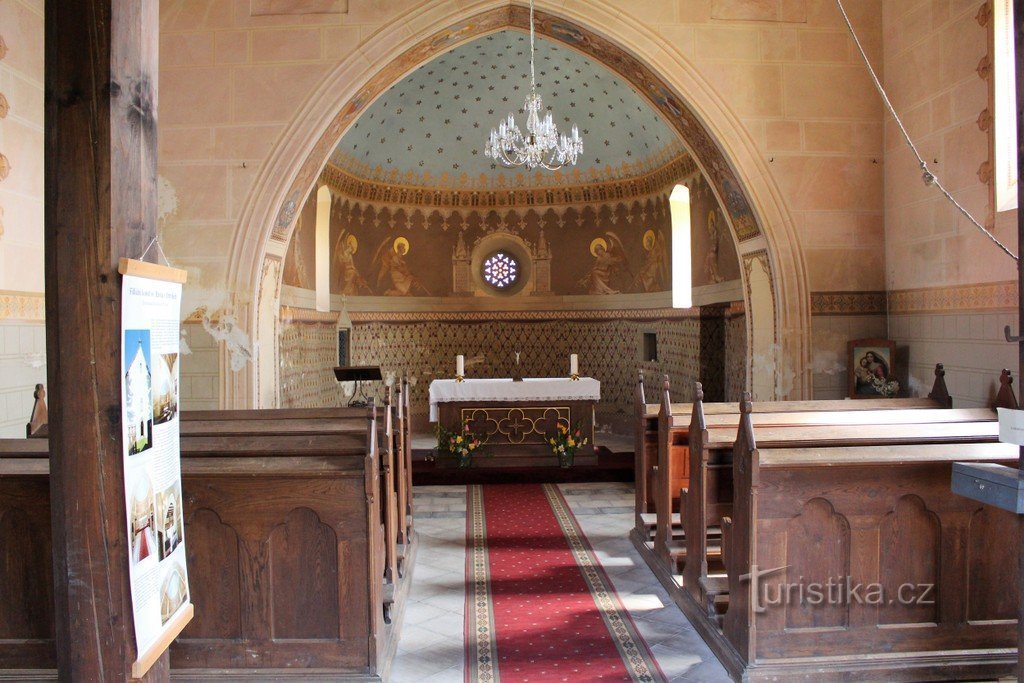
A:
x,y
848,303
22,306
392,190
522,316
980,297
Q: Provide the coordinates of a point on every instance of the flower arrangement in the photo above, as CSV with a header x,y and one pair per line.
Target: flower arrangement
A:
x,y
566,442
462,444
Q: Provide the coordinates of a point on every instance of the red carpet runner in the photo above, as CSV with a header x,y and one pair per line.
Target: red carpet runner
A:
x,y
539,607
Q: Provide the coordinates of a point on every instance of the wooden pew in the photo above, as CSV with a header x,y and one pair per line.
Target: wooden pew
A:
x,y
673,463
646,445
285,552
812,508
709,496
712,439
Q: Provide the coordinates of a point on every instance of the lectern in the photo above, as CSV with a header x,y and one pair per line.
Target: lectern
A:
x,y
358,374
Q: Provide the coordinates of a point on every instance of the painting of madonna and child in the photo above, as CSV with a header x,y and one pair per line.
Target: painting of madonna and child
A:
x,y
871,372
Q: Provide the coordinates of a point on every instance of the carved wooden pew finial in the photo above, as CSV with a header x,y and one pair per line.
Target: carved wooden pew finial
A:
x,y
939,392
38,419
1006,398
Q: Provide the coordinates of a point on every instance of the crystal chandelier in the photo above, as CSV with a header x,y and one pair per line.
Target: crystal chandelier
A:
x,y
542,145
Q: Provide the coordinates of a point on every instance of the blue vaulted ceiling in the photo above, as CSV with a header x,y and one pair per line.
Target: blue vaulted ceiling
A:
x,y
429,129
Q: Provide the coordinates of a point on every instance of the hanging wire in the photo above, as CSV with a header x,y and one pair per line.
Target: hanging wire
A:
x,y
533,77
926,174
159,249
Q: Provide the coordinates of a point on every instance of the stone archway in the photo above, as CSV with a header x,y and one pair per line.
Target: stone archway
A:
x,y
759,221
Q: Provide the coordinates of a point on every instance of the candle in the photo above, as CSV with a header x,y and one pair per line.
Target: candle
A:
x,y
574,364
460,365
517,358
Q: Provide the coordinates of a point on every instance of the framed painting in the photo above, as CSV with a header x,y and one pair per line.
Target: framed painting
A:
x,y
871,372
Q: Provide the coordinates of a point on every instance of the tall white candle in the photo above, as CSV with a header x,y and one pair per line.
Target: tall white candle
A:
x,y
460,365
574,364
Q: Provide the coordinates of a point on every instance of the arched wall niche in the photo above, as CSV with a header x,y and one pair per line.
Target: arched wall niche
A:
x,y
758,218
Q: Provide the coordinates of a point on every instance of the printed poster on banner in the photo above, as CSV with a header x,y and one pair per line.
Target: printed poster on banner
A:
x,y
150,363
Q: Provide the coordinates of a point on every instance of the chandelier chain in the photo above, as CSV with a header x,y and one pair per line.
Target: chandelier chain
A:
x,y
926,174
541,145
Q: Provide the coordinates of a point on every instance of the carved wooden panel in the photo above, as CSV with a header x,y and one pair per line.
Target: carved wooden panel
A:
x,y
992,587
304,552
817,551
213,574
909,562
25,575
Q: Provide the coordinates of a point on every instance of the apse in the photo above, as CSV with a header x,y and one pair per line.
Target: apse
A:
x,y
423,248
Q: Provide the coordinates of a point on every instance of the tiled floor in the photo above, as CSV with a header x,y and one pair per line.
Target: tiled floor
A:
x,y
431,647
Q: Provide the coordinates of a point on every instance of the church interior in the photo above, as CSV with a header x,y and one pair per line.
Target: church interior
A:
x,y
607,384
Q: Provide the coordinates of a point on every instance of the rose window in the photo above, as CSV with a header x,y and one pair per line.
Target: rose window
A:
x,y
500,270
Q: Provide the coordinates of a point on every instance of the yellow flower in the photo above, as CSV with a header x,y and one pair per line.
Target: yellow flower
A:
x,y
571,442
458,439
472,446
552,442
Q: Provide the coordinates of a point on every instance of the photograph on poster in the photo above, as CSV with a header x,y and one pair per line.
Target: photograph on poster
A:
x,y
142,522
174,592
165,388
169,523
138,388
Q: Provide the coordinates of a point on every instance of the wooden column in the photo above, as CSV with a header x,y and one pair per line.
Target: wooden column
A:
x,y
101,92
1018,43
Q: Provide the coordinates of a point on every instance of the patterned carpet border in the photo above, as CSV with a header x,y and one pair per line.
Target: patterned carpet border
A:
x,y
631,645
481,643
481,637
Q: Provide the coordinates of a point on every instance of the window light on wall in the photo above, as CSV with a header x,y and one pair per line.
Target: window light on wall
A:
x,y
1005,98
323,249
682,286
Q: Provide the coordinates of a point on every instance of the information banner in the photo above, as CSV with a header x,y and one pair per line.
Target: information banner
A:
x,y
150,362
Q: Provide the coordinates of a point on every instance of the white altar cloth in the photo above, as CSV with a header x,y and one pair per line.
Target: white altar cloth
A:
x,y
530,389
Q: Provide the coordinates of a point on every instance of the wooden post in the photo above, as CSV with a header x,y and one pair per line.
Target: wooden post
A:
x,y
100,153
1018,46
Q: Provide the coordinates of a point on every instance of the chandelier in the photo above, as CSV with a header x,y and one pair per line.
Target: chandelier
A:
x,y
542,145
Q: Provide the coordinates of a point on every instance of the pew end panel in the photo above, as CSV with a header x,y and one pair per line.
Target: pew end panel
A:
x,y
937,593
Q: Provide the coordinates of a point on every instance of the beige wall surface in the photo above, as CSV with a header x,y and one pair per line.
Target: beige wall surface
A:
x,y
230,83
950,290
21,144
22,332
787,76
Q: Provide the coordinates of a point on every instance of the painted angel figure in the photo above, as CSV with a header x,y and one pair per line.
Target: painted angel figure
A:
x,y
391,266
653,274
348,280
609,258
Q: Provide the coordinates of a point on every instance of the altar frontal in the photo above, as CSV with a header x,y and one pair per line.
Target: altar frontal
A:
x,y
517,420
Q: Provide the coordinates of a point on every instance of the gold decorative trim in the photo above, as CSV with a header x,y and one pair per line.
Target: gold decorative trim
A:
x,y
988,296
290,314
518,425
528,316
29,306
572,187
848,303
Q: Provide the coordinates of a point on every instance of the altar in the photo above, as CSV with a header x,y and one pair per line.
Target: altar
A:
x,y
516,419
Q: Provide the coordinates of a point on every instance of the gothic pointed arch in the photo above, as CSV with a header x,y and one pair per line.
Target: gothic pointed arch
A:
x,y
758,219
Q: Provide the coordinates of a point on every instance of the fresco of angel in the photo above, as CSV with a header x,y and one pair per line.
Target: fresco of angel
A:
x,y
392,269
348,280
653,274
609,259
